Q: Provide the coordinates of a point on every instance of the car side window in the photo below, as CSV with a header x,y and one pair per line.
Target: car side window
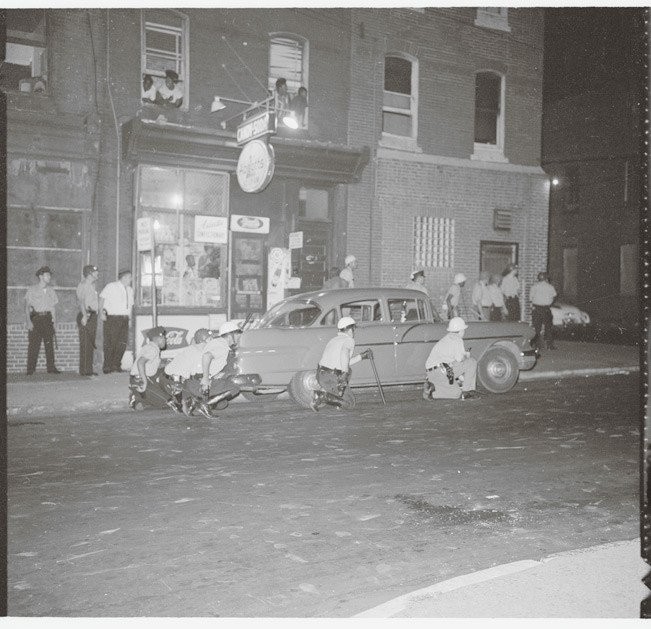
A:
x,y
366,311
403,310
330,318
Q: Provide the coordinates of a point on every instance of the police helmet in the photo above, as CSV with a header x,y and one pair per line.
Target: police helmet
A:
x,y
346,322
228,327
457,324
459,278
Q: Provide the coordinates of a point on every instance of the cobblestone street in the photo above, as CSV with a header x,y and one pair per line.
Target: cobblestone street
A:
x,y
272,511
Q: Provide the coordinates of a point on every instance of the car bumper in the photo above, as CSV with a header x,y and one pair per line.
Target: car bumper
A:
x,y
527,359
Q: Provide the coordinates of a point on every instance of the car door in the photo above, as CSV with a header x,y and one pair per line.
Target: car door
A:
x,y
373,331
415,332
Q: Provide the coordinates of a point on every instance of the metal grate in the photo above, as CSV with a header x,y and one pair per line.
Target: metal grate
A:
x,y
433,242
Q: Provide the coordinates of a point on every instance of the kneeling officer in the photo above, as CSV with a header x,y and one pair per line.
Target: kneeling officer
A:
x,y
333,371
449,365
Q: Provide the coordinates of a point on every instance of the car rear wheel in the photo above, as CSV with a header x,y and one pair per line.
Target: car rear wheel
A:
x,y
302,386
498,370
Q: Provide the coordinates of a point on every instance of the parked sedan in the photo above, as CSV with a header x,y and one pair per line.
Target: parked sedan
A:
x,y
564,315
399,325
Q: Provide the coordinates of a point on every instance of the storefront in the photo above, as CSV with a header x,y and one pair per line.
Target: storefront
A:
x,y
219,252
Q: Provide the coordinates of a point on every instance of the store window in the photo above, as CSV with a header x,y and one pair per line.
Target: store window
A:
x,y
164,58
189,210
489,117
25,64
400,99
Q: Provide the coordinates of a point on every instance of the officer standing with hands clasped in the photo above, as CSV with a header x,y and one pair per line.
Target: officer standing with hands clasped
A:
x,y
449,361
116,305
88,302
40,308
542,296
333,371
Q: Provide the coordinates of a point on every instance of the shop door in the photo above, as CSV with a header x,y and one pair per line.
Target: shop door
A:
x,y
248,273
310,262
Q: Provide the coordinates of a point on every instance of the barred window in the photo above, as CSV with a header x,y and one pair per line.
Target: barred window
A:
x,y
433,242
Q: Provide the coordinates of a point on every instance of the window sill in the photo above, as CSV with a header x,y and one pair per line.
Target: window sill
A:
x,y
488,153
400,143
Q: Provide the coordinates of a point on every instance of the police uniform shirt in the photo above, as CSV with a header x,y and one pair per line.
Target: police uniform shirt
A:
x,y
219,349
448,350
187,362
337,352
481,295
87,296
454,293
118,299
510,285
497,297
417,286
41,299
347,275
151,352
542,294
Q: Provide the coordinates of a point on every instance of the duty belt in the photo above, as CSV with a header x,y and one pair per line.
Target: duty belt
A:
x,y
335,371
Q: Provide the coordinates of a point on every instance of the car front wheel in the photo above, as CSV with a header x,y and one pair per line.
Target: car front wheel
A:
x,y
302,386
498,370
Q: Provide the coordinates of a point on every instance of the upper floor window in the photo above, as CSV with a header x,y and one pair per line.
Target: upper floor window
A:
x,y
25,64
489,117
288,75
164,58
399,103
493,17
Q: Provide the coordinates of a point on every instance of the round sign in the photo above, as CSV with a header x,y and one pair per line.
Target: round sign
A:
x,y
255,166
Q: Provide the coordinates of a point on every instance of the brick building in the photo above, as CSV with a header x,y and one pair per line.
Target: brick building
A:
x,y
419,147
592,147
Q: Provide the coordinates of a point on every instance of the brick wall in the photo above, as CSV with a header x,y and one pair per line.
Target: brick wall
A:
x,y
66,356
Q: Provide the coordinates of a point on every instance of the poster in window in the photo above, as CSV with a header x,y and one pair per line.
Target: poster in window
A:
x,y
211,229
249,249
209,262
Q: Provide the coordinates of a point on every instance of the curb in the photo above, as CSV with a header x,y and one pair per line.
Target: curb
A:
x,y
400,603
122,406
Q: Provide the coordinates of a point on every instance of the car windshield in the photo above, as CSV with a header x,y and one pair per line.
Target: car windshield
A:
x,y
296,313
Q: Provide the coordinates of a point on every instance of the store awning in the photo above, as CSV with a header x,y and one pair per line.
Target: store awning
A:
x,y
191,147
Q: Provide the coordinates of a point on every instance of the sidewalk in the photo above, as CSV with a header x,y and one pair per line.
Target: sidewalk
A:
x,y
46,394
599,582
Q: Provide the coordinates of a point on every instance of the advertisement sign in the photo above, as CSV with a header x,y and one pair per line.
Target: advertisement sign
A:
x,y
256,127
144,234
211,229
278,273
255,166
296,240
250,224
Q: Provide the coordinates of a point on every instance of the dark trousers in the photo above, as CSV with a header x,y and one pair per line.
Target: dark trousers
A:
x,y
43,330
542,316
513,306
86,343
158,390
116,334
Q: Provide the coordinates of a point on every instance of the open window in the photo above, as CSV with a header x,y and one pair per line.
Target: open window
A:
x,y
25,64
164,58
400,101
406,310
288,60
489,117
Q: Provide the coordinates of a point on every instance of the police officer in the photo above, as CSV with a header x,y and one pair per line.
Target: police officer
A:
x,y
146,385
116,306
88,302
417,281
40,308
347,273
449,364
542,296
333,371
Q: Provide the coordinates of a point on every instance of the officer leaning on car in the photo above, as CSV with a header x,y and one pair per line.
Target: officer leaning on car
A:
x,y
451,371
334,369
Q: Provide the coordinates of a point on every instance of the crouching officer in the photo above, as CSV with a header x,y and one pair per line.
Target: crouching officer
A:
x,y
145,382
334,369
450,365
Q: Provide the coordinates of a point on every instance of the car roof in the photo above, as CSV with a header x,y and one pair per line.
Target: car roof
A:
x,y
332,297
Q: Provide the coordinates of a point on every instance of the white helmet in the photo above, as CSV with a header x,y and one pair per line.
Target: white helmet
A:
x,y
457,324
345,322
459,277
229,326
350,259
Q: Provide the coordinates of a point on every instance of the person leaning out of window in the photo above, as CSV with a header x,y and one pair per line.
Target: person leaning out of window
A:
x,y
170,94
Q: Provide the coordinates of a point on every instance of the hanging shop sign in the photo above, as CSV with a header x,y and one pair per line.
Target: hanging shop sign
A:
x,y
255,166
256,127
211,229
249,224
144,234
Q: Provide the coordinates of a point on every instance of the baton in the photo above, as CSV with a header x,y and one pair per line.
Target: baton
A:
x,y
377,379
